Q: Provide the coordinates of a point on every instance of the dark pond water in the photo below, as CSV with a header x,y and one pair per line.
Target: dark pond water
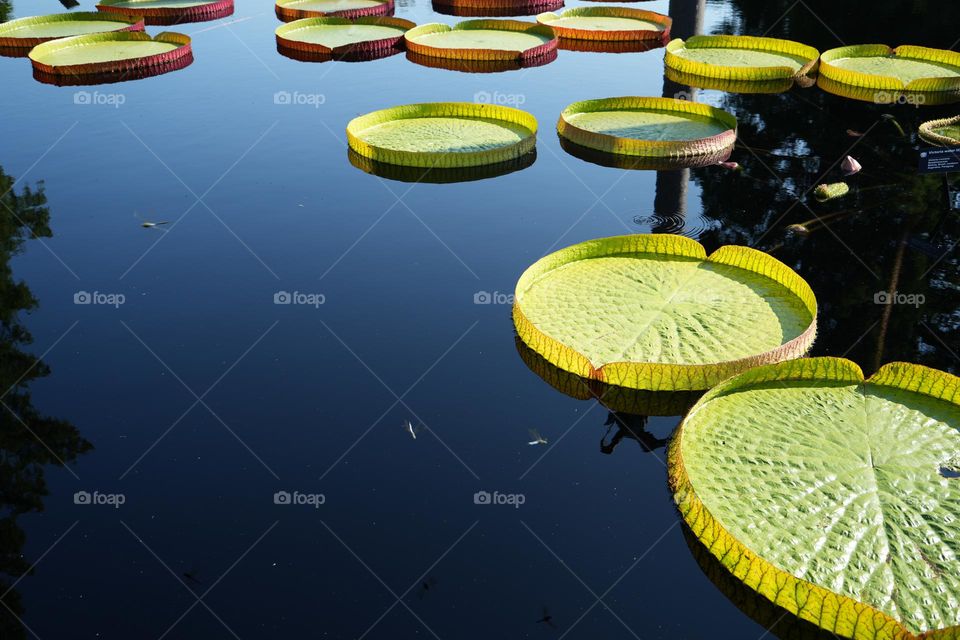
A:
x,y
198,398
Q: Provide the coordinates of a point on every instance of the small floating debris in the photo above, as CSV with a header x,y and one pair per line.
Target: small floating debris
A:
x,y
410,429
110,57
18,37
942,133
849,166
684,132
608,24
319,39
537,438
289,10
443,134
825,192
168,12
590,310
741,59
483,40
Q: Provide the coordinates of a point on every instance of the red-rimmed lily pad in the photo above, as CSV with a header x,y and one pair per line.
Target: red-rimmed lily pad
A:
x,y
168,12
17,37
289,10
608,24
359,39
494,8
110,57
679,131
483,40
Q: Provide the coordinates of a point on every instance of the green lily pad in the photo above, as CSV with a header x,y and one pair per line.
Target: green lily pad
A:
x,y
944,132
483,40
877,66
339,35
103,51
654,312
36,29
740,57
835,497
618,24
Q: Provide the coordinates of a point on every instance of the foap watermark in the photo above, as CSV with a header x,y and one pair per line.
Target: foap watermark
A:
x,y
300,499
512,499
99,99
683,95
498,97
114,500
100,298
886,97
298,297
895,297
298,98
492,297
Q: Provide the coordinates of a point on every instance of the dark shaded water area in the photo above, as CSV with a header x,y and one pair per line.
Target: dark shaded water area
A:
x,y
184,410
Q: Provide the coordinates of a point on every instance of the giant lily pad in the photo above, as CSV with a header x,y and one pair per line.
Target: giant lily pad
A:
x,y
512,40
882,69
107,57
17,37
495,8
608,24
358,39
654,312
741,58
443,134
169,11
835,497
438,175
944,132
288,10
650,127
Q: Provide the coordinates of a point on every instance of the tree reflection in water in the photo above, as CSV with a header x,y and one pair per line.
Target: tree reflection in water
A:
x,y
29,440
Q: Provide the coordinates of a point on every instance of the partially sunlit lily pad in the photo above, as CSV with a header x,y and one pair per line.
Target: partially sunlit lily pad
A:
x,y
906,68
443,134
17,37
736,86
654,312
944,132
110,57
741,58
494,8
439,175
342,38
835,497
169,12
650,127
483,40
289,10
608,24
641,163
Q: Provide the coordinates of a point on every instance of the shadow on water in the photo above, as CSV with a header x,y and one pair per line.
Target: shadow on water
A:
x,y
29,440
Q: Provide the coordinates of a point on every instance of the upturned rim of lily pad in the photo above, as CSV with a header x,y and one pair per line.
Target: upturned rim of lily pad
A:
x,y
482,54
112,70
658,376
479,66
361,49
928,131
23,45
437,175
213,10
762,73
710,146
779,85
443,159
609,35
287,12
888,96
494,8
889,83
642,163
837,613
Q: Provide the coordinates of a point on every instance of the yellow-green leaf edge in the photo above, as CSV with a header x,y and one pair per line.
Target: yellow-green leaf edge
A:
x,y
928,131
696,68
442,159
889,83
648,148
414,45
652,376
836,613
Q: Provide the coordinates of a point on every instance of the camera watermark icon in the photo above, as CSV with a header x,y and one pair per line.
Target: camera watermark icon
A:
x,y
886,97
114,500
512,499
297,297
895,297
96,297
492,297
99,99
500,98
296,498
683,95
297,98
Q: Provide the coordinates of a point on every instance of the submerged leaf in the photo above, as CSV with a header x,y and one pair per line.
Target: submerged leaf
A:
x,y
824,493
